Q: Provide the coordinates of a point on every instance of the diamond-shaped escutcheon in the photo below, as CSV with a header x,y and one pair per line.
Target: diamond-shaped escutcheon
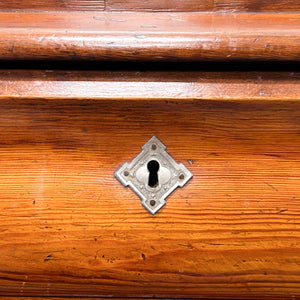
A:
x,y
153,175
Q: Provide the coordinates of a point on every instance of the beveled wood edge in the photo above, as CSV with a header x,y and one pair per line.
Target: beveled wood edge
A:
x,y
149,36
152,5
134,85
270,297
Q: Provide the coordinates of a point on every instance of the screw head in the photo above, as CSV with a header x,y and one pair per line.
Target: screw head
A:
x,y
181,176
126,173
153,147
152,202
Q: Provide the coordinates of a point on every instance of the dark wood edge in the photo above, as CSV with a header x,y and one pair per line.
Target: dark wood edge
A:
x,y
135,85
149,36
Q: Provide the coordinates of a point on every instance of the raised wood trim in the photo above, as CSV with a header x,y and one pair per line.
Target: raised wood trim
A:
x,y
205,5
158,5
152,5
149,36
256,6
52,5
133,85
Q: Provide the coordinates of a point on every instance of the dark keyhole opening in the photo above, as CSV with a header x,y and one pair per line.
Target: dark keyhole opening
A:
x,y
153,167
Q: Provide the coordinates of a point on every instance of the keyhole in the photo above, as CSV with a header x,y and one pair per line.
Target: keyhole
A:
x,y
153,167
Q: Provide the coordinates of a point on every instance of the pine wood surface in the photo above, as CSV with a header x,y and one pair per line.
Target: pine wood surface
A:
x,y
69,228
52,5
256,6
157,5
149,85
153,5
146,36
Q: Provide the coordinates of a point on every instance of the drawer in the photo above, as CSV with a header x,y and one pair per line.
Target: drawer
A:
x,y
69,228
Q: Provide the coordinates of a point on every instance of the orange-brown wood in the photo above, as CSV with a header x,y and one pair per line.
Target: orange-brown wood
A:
x,y
157,5
153,5
149,85
205,5
53,5
257,5
63,298
68,228
149,36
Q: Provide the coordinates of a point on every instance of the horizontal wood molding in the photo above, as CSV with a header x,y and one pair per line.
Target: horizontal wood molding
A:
x,y
158,5
134,85
52,5
205,5
149,36
153,5
257,6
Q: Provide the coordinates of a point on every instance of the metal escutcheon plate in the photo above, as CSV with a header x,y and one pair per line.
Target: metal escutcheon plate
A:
x,y
153,175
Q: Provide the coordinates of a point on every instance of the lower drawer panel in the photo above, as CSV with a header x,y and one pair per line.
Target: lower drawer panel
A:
x,y
69,228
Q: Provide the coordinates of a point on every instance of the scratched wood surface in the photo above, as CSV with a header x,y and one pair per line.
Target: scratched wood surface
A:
x,y
206,5
157,5
68,228
52,5
157,36
149,85
153,5
256,6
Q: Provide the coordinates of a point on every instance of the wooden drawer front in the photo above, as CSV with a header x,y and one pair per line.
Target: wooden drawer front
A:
x,y
68,228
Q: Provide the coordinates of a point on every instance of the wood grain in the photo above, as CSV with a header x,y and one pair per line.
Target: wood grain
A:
x,y
68,228
153,5
158,5
256,6
53,5
149,85
206,5
149,36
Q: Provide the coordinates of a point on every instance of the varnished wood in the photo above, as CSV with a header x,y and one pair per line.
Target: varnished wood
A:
x,y
256,6
157,5
153,5
68,228
149,36
137,85
52,5
63,298
206,5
